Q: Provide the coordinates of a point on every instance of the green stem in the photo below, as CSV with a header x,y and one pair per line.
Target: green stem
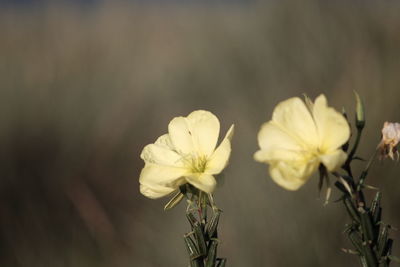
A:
x,y
202,241
346,165
362,220
366,169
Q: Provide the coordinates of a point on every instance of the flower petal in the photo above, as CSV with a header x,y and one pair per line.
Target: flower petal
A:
x,y
204,182
271,155
272,138
204,129
179,133
289,176
332,127
159,178
334,160
161,155
165,141
219,159
155,191
293,116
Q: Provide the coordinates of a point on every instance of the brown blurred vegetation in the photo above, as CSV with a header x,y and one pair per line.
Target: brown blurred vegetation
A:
x,y
83,90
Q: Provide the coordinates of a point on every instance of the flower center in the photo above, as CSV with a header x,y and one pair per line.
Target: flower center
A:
x,y
198,164
312,154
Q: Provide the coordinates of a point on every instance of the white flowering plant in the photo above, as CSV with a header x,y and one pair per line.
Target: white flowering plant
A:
x,y
184,162
304,137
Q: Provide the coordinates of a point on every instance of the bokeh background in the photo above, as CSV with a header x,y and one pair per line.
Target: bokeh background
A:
x,y
85,85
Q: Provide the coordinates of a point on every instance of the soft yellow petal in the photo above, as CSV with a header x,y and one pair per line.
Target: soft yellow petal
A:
x,y
261,156
161,155
300,137
277,154
153,175
165,141
180,137
204,129
278,176
293,117
292,176
155,191
204,182
332,127
334,160
219,159
277,144
272,135
197,134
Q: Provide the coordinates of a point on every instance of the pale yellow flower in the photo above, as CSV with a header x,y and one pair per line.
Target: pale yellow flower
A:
x,y
186,154
390,140
299,138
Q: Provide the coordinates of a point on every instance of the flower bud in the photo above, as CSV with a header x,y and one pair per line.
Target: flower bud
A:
x,y
360,112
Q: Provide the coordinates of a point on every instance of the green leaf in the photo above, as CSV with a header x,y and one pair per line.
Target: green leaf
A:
x,y
363,261
342,188
199,234
196,263
382,239
359,158
388,248
175,200
212,225
351,209
394,258
191,246
370,256
192,220
376,209
221,262
356,240
371,187
212,254
366,226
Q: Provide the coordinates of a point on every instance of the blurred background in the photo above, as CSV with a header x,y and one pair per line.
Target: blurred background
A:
x,y
85,85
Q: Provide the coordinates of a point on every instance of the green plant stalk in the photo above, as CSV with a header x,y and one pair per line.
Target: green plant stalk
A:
x,y
368,234
202,241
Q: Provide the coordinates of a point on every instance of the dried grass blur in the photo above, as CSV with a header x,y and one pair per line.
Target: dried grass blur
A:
x,y
83,90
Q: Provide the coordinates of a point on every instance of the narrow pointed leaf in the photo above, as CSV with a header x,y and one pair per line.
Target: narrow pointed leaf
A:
x,y
199,234
191,218
221,262
376,206
359,158
212,225
356,240
341,187
382,239
370,256
351,209
191,247
212,254
363,261
175,200
394,258
377,216
366,225
388,248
